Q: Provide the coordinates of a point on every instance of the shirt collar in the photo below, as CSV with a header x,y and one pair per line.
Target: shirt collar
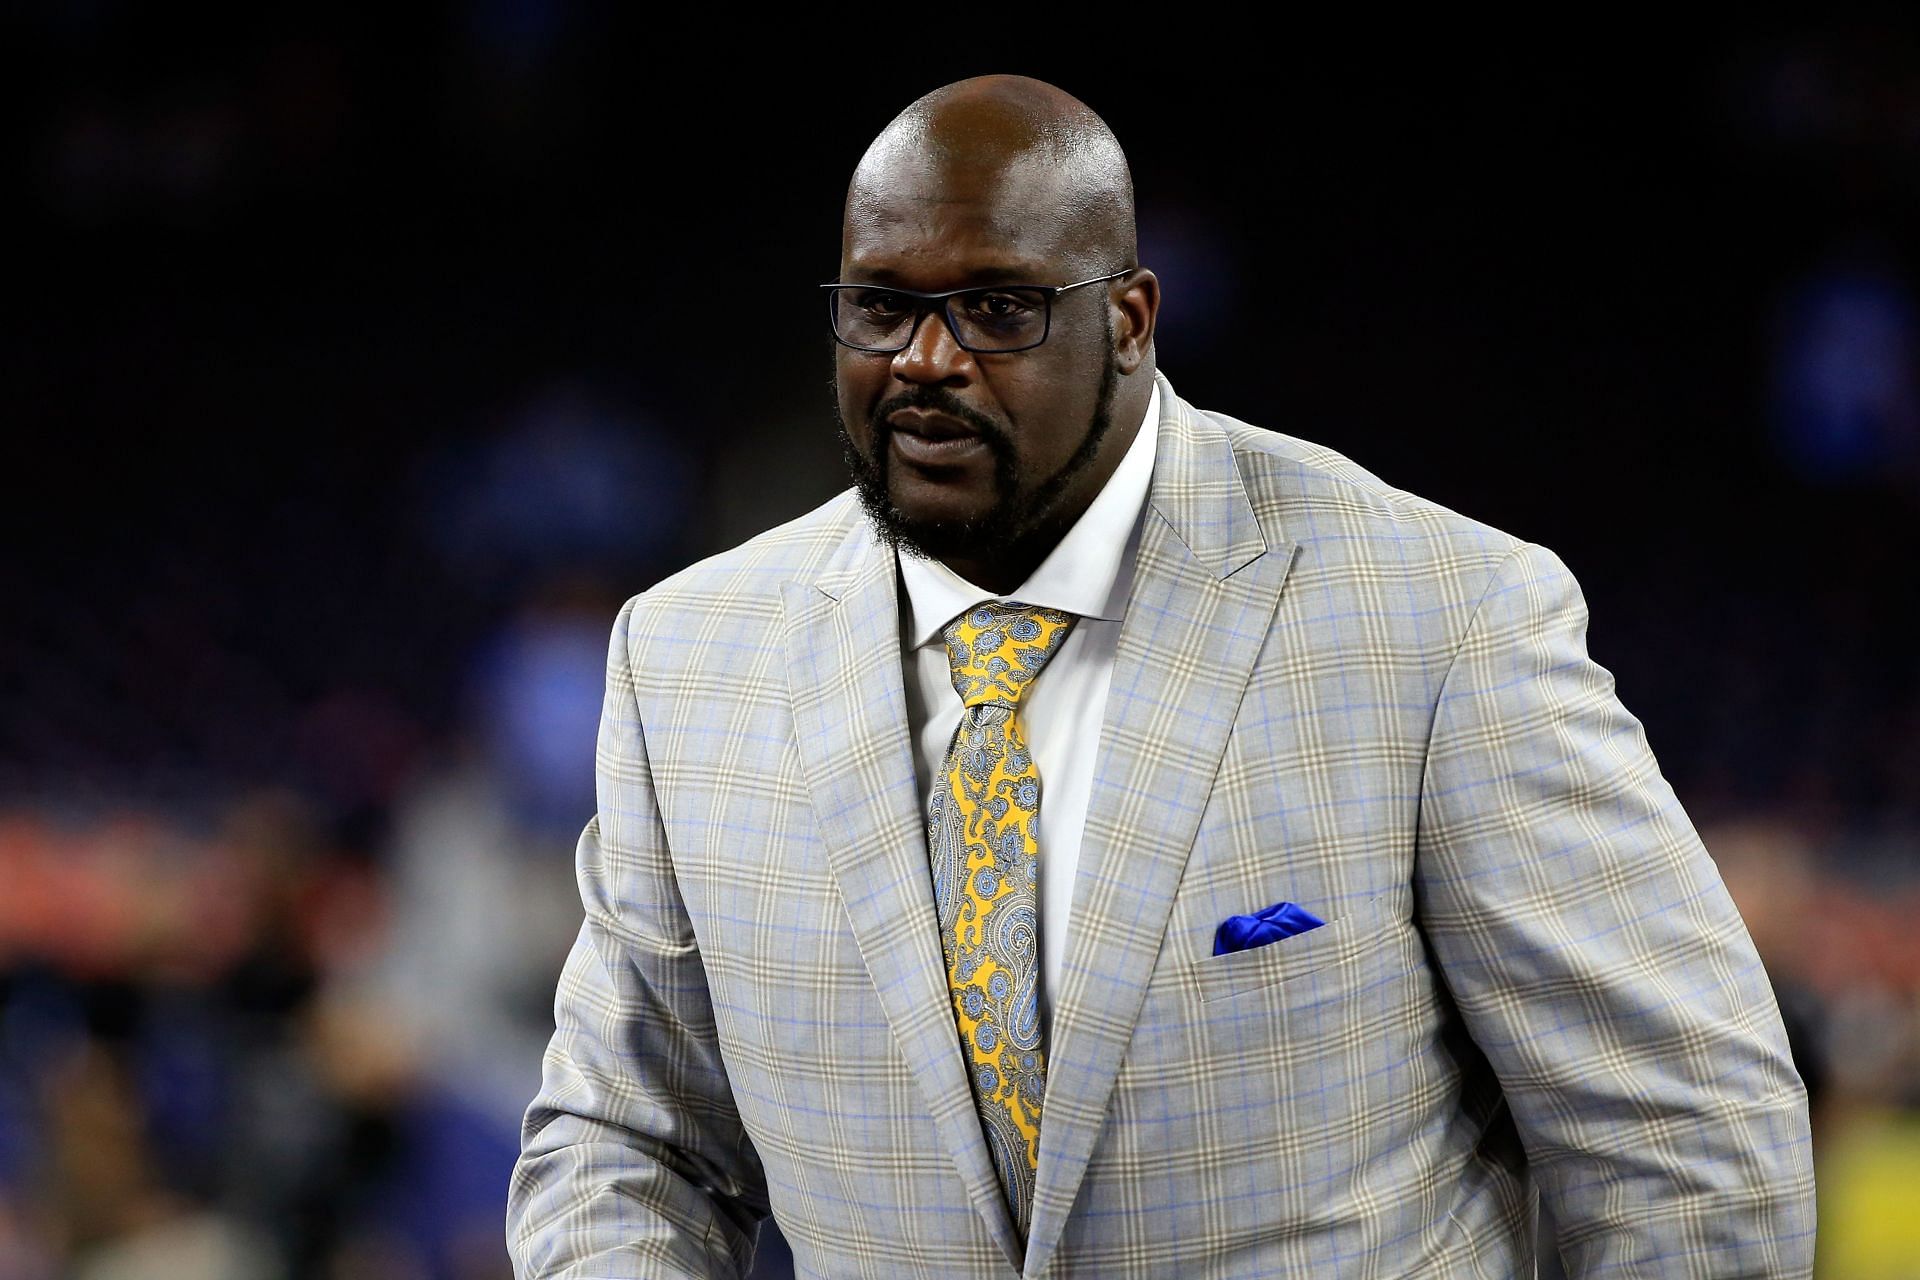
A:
x,y
1089,572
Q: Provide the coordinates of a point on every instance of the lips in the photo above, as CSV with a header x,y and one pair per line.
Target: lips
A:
x,y
929,424
931,441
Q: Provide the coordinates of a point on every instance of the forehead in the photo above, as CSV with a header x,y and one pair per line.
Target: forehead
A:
x,y
918,223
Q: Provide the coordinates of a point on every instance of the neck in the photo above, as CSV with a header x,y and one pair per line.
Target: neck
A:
x,y
1002,574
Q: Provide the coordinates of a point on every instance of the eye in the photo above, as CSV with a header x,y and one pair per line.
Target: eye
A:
x,y
881,304
1000,305
1004,311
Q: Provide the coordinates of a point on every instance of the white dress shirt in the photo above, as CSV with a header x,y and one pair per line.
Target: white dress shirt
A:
x,y
1090,573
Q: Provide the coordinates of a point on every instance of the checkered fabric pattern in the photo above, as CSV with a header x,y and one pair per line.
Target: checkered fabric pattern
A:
x,y
1327,691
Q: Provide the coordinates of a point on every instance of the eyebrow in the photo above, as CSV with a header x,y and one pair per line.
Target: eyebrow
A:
x,y
886,277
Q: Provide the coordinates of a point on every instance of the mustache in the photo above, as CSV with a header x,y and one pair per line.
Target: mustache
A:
x,y
934,400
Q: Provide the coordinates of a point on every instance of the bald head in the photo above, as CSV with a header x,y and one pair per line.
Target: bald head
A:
x,y
1035,159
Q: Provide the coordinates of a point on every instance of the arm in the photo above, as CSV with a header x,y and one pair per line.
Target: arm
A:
x,y
633,1160
1600,965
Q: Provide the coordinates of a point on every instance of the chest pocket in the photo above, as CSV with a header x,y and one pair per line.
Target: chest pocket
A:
x,y
1226,976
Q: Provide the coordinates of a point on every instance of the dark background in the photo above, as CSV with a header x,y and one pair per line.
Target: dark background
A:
x,y
356,369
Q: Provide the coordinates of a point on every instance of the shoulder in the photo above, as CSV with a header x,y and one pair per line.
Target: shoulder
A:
x,y
729,594
1344,516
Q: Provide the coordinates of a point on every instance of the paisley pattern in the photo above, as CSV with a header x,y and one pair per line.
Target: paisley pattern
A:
x,y
983,837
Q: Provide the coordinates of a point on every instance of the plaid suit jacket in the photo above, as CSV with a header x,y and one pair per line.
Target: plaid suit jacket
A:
x,y
1328,691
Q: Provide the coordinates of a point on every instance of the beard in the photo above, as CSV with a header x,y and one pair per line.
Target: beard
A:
x,y
1018,515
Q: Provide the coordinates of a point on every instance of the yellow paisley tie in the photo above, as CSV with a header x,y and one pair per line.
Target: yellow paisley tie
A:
x,y
983,836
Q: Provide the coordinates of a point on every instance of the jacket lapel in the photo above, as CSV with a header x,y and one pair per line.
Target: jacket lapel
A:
x,y
1206,583
849,712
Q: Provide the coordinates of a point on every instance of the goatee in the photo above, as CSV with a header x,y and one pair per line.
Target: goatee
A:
x,y
1013,519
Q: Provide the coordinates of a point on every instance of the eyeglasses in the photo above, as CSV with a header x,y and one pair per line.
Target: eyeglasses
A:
x,y
994,319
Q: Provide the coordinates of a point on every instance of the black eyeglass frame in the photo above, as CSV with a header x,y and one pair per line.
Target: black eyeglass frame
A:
x,y
944,298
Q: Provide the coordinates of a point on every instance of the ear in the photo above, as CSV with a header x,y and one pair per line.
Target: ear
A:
x,y
1136,304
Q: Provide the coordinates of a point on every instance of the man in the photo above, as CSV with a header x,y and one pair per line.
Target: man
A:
x,y
1360,911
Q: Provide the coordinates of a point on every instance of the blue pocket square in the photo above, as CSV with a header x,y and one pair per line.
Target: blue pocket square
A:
x,y
1244,933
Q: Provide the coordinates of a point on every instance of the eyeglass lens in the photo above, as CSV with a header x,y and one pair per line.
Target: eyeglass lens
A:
x,y
999,319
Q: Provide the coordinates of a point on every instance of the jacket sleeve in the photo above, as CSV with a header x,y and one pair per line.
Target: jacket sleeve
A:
x,y
633,1159
1600,966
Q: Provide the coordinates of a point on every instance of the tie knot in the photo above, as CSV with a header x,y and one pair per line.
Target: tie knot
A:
x,y
995,649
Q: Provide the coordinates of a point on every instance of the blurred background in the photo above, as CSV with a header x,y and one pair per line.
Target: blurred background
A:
x,y
357,369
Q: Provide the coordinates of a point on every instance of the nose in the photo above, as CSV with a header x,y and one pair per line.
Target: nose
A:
x,y
933,356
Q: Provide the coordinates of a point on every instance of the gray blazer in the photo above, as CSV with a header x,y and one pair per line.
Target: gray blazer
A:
x,y
1328,691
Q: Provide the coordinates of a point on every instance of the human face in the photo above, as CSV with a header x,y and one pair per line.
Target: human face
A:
x,y
980,460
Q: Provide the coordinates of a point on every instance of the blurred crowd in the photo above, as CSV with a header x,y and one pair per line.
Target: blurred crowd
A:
x,y
296,731
287,1029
